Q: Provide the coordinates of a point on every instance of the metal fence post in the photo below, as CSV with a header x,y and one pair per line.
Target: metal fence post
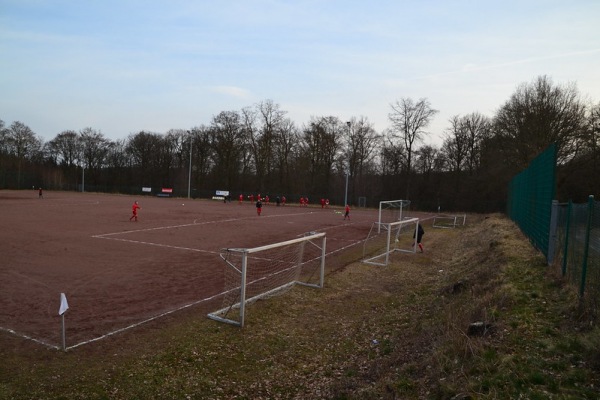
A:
x,y
552,234
586,248
566,248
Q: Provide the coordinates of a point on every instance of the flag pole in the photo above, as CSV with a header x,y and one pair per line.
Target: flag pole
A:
x,y
64,336
64,306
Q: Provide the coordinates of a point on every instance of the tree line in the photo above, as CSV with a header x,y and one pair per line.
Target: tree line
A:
x,y
258,149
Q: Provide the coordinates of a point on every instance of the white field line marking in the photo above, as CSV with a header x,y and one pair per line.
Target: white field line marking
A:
x,y
22,335
29,278
159,245
147,320
192,224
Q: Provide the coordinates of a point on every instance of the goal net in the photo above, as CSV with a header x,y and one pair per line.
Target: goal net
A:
x,y
449,221
261,272
387,238
391,211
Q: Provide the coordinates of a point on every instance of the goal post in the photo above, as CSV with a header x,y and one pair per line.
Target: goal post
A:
x,y
395,236
261,272
391,211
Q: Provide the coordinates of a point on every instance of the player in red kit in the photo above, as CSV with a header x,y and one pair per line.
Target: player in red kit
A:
x,y
258,207
134,209
347,214
241,198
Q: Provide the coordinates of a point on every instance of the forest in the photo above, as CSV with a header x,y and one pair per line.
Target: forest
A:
x,y
259,150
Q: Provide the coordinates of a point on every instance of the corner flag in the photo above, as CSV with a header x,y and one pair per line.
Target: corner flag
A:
x,y
64,306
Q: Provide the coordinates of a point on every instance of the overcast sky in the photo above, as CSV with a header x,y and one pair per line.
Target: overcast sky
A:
x,y
122,66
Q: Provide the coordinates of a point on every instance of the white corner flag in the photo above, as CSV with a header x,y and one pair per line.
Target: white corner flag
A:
x,y
64,306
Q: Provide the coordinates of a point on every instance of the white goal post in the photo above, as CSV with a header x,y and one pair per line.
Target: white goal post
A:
x,y
391,211
396,236
260,272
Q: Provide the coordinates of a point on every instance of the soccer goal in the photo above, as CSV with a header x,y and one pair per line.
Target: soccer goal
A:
x,y
391,211
449,221
362,201
395,236
262,272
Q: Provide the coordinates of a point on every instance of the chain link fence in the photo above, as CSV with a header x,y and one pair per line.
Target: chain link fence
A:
x,y
576,234
530,198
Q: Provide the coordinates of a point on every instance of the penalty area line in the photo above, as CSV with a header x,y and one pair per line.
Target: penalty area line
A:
x,y
158,244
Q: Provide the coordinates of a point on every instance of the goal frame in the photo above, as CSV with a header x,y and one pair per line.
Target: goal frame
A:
x,y
402,204
245,252
454,221
389,249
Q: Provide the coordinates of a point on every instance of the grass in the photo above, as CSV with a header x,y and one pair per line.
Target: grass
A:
x,y
397,332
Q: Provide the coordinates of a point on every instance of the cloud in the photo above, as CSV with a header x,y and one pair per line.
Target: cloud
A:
x,y
232,91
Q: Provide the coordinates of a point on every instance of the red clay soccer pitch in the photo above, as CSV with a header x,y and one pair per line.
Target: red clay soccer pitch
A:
x,y
117,274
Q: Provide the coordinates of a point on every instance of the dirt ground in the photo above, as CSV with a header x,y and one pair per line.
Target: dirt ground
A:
x,y
116,273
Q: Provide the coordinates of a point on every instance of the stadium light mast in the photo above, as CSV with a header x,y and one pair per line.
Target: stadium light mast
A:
x,y
190,168
346,193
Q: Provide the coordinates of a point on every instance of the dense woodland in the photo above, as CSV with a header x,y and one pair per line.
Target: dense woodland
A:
x,y
259,150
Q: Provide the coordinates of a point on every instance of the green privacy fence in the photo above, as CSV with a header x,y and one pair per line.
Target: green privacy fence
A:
x,y
578,247
530,198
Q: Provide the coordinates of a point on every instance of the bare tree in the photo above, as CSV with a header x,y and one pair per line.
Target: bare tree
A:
x,y
227,138
23,144
320,150
477,128
393,156
66,147
202,154
360,149
455,146
428,160
409,120
262,125
285,151
537,115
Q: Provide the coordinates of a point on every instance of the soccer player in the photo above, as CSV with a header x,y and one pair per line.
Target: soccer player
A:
x,y
258,207
40,194
347,214
241,198
134,209
420,232
251,198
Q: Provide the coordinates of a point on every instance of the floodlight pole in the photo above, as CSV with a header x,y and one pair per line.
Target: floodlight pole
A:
x,y
190,168
346,193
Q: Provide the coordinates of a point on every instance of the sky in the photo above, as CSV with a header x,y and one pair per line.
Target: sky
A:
x,y
123,66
